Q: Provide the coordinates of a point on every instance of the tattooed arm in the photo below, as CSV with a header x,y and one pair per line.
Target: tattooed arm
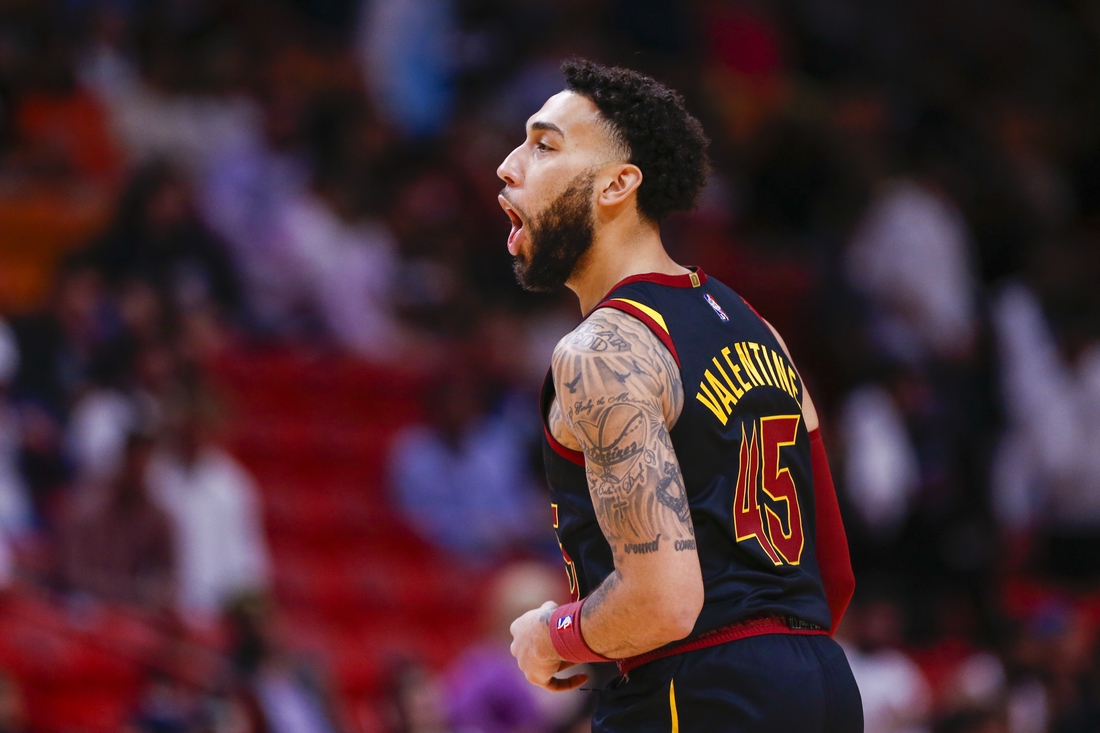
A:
x,y
618,393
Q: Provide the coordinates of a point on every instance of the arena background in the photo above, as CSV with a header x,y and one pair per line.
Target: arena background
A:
x,y
268,430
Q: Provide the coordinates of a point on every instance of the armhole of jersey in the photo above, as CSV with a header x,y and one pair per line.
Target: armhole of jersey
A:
x,y
573,456
653,320
756,312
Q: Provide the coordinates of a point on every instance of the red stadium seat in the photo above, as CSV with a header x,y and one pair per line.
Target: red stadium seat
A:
x,y
76,709
350,576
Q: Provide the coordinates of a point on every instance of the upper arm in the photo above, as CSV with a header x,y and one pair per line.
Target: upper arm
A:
x,y
620,390
809,412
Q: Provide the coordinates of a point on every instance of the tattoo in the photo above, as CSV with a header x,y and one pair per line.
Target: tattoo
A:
x,y
642,548
544,617
599,339
624,392
681,545
619,436
678,502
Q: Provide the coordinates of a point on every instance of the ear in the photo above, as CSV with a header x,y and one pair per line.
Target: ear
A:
x,y
626,177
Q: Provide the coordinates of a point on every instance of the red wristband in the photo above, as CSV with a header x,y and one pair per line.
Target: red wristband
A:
x,y
565,634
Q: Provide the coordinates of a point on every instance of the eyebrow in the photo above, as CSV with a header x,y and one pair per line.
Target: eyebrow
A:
x,y
548,126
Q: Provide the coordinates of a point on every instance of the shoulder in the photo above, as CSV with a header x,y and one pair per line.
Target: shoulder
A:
x,y
605,331
612,352
607,336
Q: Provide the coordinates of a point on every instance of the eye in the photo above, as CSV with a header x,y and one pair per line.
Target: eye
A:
x,y
542,147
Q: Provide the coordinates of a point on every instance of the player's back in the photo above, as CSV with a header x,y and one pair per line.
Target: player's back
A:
x,y
743,449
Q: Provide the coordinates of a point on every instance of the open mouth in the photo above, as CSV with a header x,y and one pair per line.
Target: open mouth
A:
x,y
517,224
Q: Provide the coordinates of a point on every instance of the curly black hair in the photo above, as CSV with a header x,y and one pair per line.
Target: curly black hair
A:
x,y
664,140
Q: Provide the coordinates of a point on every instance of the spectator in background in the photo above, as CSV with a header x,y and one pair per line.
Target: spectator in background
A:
x,y
175,102
347,263
1047,469
120,547
484,689
16,516
172,703
881,470
896,696
406,50
59,348
462,480
213,507
157,238
1054,666
95,437
167,705
132,394
415,701
286,695
912,257
304,237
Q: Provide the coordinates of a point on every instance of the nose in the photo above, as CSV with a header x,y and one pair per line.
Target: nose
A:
x,y
509,170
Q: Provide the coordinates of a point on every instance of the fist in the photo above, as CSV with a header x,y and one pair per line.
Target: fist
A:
x,y
533,650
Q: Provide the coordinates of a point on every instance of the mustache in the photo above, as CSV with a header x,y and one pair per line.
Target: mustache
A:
x,y
504,195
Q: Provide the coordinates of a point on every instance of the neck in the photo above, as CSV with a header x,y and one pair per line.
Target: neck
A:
x,y
620,250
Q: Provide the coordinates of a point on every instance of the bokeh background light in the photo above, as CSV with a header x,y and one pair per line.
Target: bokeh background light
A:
x,y
269,443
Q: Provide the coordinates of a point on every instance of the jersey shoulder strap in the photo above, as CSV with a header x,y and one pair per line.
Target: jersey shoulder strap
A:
x,y
631,296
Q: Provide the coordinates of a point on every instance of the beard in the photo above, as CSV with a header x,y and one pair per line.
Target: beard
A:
x,y
559,239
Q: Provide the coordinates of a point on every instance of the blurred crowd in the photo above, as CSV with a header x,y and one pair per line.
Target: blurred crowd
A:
x,y
909,191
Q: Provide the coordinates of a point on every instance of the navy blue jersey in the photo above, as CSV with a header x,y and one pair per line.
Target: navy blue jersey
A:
x,y
743,449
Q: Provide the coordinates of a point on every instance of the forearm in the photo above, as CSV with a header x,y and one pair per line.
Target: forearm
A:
x,y
623,619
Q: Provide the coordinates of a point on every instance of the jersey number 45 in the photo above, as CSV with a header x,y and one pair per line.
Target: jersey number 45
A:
x,y
774,519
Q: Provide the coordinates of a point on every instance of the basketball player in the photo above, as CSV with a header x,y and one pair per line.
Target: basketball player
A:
x,y
691,494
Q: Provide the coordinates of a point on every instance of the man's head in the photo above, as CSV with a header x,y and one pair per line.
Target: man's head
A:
x,y
613,143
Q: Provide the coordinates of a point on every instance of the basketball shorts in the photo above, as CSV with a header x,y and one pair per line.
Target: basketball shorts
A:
x,y
772,683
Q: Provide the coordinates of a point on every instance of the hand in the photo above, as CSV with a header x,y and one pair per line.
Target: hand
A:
x,y
532,648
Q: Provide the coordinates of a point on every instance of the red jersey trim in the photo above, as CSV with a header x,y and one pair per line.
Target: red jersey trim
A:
x,y
693,279
723,635
645,318
751,308
573,456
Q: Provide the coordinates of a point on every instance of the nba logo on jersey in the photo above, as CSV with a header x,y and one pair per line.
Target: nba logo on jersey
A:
x,y
565,622
717,308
